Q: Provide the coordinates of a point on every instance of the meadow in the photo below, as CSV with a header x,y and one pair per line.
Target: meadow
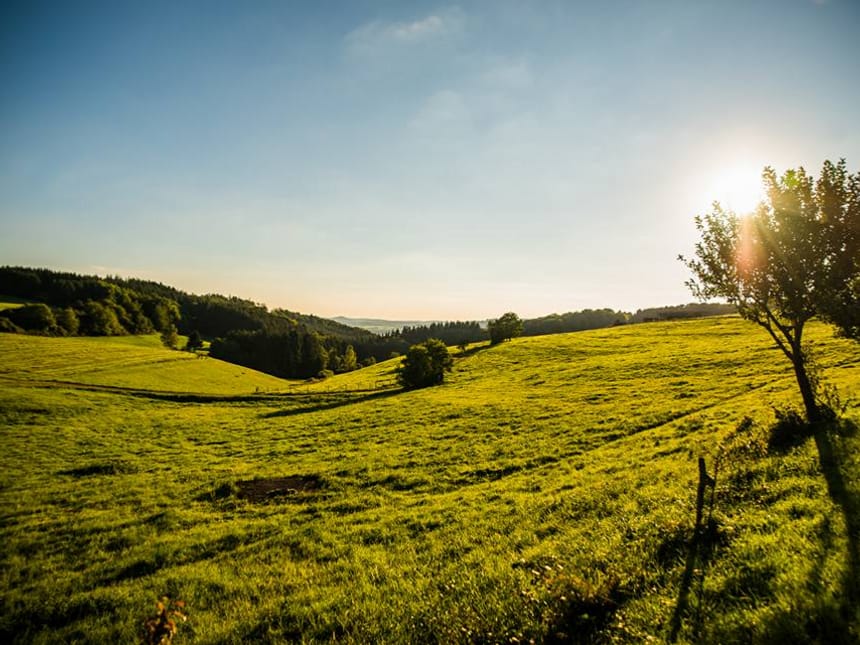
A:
x,y
546,492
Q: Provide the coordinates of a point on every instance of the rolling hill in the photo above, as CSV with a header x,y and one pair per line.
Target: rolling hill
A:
x,y
545,492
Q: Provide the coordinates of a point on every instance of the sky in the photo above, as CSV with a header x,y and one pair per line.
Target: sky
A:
x,y
408,160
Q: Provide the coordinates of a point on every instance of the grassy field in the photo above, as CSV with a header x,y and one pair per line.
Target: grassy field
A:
x,y
545,492
10,302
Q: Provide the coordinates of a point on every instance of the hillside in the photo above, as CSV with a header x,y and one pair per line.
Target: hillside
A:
x,y
546,491
125,362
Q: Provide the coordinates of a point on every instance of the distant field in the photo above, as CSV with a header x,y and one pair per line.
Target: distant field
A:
x,y
11,302
546,491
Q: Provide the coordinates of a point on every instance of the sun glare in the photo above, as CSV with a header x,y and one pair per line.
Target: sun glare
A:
x,y
737,188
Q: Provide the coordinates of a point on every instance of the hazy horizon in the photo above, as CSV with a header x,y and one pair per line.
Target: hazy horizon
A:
x,y
420,161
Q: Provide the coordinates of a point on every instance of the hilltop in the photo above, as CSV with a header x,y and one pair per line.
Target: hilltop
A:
x,y
546,490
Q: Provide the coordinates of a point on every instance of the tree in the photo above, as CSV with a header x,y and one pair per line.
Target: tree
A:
x,y
314,355
68,321
170,337
508,326
795,257
425,364
194,342
99,320
350,360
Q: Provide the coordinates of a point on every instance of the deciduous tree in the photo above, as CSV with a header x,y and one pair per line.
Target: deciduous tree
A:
x,y
425,364
795,257
504,328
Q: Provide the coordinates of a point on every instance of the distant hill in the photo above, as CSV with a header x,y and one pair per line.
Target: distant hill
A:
x,y
280,342
381,326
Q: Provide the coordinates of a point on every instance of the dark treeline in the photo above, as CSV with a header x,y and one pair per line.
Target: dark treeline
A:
x,y
70,304
450,333
294,354
599,318
574,321
678,312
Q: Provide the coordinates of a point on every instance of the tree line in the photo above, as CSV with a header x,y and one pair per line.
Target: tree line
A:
x,y
279,342
69,304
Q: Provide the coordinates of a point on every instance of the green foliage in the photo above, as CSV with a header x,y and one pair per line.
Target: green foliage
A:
x,y
33,318
796,257
194,342
350,360
99,320
170,337
68,321
504,328
425,364
574,321
450,333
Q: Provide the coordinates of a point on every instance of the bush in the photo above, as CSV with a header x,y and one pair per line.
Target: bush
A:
x,y
425,364
8,326
194,342
38,317
508,326
789,430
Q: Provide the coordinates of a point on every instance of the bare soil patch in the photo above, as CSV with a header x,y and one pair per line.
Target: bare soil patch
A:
x,y
271,488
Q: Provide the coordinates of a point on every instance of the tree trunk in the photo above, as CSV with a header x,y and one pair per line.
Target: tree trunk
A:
x,y
813,415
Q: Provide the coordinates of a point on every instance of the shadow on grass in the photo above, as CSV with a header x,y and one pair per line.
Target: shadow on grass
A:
x,y
701,552
330,405
845,495
471,351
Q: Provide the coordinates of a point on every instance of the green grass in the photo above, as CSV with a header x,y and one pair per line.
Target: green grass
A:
x,y
11,302
547,489
133,362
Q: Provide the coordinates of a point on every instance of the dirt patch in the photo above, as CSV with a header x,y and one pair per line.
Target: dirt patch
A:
x,y
272,488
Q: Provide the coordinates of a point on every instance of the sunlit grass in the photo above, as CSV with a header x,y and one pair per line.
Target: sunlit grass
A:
x,y
542,468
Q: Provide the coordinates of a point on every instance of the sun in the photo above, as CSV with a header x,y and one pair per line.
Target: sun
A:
x,y
737,187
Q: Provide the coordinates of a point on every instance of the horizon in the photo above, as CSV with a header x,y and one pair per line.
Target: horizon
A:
x,y
430,161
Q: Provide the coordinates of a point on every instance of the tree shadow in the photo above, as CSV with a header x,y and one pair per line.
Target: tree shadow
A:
x,y
330,405
471,351
701,551
831,455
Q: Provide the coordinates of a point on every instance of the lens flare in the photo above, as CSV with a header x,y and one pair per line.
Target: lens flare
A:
x,y
737,188
748,252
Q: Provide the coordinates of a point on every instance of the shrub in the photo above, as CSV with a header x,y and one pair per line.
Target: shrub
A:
x,y
194,342
38,317
425,364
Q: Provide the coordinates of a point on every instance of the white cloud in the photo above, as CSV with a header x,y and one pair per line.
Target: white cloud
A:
x,y
442,110
378,34
510,76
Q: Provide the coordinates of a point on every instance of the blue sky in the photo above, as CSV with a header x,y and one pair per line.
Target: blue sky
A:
x,y
408,160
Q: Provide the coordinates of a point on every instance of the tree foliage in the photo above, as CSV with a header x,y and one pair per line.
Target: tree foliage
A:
x,y
194,341
795,257
504,328
34,318
425,364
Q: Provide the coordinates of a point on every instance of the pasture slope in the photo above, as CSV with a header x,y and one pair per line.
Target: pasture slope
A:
x,y
545,492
